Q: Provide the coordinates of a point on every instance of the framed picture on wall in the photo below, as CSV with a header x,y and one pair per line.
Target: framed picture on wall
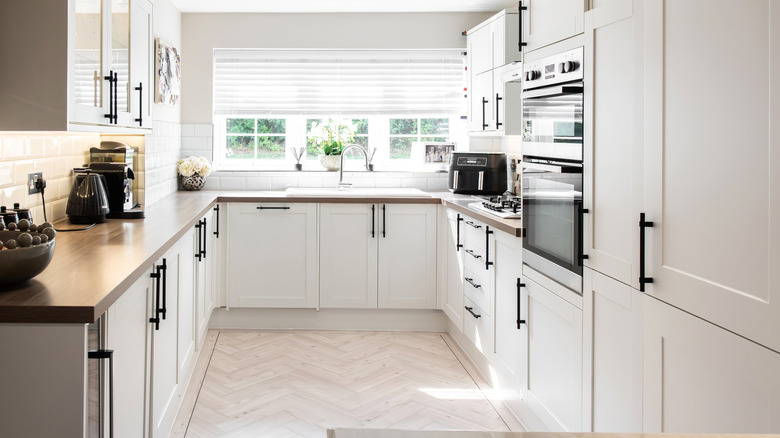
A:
x,y
168,67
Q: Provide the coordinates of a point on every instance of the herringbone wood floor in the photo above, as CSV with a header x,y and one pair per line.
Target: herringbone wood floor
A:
x,y
298,384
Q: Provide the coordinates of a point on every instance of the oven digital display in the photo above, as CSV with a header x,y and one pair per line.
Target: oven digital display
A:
x,y
472,161
549,68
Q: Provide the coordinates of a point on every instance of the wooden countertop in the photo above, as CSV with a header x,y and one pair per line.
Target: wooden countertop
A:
x,y
91,269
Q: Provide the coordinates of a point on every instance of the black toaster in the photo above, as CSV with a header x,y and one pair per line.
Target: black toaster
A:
x,y
478,173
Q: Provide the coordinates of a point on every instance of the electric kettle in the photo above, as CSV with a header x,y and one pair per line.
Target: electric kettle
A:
x,y
88,200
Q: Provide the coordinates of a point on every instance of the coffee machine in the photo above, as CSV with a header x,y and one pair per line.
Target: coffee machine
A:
x,y
114,160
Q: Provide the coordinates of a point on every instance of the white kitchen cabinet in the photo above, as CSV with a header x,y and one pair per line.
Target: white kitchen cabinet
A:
x,y
613,354
407,256
452,283
127,333
553,386
701,378
205,268
481,116
348,255
272,255
509,322
85,42
612,151
478,327
713,250
548,21
494,42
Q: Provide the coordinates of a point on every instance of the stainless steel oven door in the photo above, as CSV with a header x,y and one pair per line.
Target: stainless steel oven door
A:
x,y
552,221
552,122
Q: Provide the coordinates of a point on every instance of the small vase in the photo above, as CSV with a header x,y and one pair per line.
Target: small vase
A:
x,y
193,183
330,162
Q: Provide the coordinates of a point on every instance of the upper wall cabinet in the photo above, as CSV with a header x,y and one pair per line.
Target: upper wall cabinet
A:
x,y
494,42
548,21
77,65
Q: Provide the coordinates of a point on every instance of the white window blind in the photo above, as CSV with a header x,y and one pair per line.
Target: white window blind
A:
x,y
339,82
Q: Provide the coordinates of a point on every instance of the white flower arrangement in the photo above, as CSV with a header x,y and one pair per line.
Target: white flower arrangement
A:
x,y
331,134
193,166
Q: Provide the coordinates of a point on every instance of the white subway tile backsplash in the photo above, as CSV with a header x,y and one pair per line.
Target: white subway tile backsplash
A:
x,y
188,130
13,148
22,169
232,183
203,130
34,147
437,183
6,173
257,183
417,183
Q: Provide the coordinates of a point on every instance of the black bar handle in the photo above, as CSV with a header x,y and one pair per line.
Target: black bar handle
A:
x,y
473,224
471,282
100,355
110,79
520,9
458,245
140,90
216,230
384,220
471,253
164,269
199,252
484,102
471,311
498,99
642,225
373,220
519,321
205,233
488,232
273,208
156,319
116,97
582,257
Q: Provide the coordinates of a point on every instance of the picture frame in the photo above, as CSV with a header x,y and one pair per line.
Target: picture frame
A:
x,y
167,65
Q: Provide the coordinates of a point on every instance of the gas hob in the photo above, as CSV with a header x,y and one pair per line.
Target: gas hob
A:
x,y
505,207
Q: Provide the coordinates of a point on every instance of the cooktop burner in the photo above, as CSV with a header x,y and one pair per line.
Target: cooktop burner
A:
x,y
506,207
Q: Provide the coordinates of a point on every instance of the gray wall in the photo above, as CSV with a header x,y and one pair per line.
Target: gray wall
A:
x,y
202,33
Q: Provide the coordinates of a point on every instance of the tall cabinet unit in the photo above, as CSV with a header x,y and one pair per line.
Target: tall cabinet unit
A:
x,y
102,47
451,256
206,256
549,21
272,255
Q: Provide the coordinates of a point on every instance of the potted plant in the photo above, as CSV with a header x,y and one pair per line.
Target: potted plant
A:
x,y
331,135
193,171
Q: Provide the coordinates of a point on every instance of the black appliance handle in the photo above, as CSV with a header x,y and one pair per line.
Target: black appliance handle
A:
x,y
216,229
643,224
520,42
519,321
110,79
140,90
384,220
471,311
199,252
458,245
156,319
498,99
101,355
164,269
488,232
471,253
205,233
553,91
373,220
582,257
273,208
471,282
555,168
484,102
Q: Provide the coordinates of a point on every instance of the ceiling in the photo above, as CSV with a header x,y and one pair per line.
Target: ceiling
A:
x,y
308,6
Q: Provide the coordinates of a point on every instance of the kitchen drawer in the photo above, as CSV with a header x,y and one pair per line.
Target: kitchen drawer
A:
x,y
478,326
474,232
474,260
478,289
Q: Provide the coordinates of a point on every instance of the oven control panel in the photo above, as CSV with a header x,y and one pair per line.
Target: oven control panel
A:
x,y
555,69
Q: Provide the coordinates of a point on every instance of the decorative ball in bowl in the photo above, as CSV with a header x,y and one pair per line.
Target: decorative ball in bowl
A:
x,y
26,251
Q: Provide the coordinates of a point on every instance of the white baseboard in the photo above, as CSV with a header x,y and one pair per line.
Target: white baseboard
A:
x,y
329,319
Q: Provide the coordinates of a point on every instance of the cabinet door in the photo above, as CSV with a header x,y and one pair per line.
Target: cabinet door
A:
x,y
613,194
613,337
140,86
508,266
505,39
348,255
453,282
164,345
407,256
482,101
480,49
127,334
204,276
549,21
554,382
119,58
701,378
88,90
272,255
714,250
185,277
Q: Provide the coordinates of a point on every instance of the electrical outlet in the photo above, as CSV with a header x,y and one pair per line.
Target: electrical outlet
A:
x,y
31,179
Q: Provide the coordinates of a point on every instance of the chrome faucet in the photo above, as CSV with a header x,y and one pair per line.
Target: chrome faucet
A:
x,y
341,166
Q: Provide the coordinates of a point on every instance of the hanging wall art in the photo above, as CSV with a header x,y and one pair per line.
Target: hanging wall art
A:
x,y
168,68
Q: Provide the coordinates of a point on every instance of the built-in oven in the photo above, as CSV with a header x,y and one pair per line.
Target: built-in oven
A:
x,y
552,167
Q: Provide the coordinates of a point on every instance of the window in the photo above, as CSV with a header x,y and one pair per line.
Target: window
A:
x,y
266,101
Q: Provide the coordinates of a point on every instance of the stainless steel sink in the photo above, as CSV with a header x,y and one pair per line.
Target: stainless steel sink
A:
x,y
357,192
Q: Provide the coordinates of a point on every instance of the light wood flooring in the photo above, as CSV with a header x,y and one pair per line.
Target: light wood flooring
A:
x,y
300,383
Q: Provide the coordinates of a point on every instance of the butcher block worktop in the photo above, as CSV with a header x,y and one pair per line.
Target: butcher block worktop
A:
x,y
91,269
